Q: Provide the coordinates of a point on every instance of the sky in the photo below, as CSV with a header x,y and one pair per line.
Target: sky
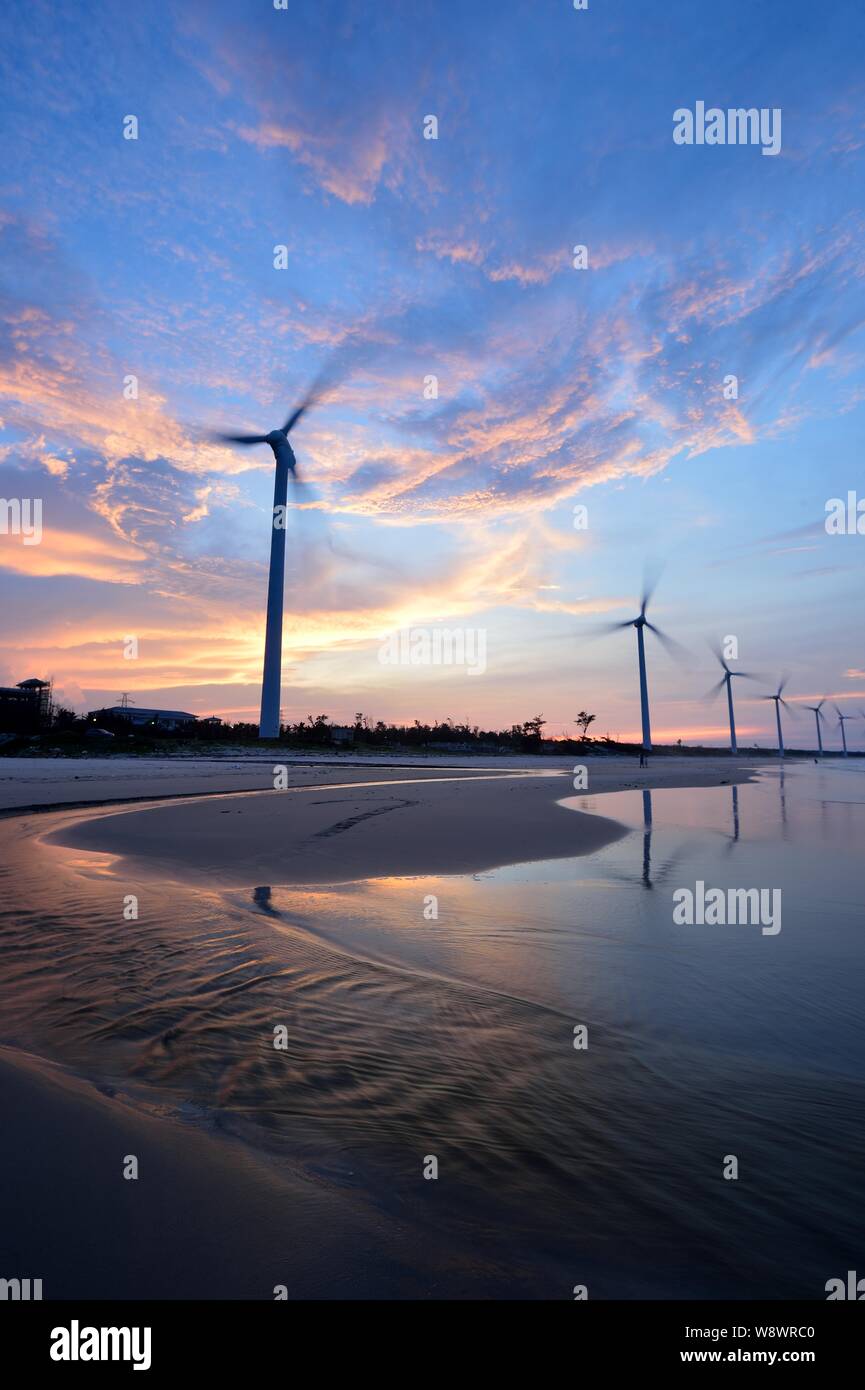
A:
x,y
408,258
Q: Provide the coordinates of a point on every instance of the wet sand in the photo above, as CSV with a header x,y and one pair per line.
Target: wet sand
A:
x,y
381,823
205,1218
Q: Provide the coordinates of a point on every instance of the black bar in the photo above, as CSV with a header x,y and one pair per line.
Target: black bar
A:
x,y
246,1337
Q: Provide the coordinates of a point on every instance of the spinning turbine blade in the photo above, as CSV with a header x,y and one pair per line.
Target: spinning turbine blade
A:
x,y
674,648
241,438
603,628
302,492
327,377
651,575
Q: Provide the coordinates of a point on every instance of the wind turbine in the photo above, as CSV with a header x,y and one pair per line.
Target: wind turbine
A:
x,y
641,622
779,701
817,711
842,719
727,680
286,467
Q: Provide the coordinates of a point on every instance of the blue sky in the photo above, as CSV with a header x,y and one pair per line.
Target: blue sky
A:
x,y
409,257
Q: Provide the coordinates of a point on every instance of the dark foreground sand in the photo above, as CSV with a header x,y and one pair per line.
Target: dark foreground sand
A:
x,y
204,1219
405,823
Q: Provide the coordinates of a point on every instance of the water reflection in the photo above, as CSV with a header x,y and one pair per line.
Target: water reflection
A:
x,y
647,878
647,839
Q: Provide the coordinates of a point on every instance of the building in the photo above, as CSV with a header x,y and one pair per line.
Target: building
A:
x,y
25,708
141,718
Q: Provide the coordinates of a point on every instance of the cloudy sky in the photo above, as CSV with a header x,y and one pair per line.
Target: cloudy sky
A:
x,y
409,258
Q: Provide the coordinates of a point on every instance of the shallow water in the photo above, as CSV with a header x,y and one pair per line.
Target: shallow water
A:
x,y
409,1036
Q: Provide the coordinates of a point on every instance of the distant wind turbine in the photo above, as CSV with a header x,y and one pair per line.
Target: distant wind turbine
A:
x,y
779,701
817,711
727,680
640,623
286,467
842,720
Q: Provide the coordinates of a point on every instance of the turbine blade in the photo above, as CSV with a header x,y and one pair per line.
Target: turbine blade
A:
x,y
302,492
710,694
651,575
674,648
326,378
604,629
717,652
240,438
295,416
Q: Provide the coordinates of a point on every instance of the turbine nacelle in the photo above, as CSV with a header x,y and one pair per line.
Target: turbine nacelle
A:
x,y
778,696
729,673
817,709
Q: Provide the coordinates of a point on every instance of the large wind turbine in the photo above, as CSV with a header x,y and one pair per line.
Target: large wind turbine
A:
x,y
727,680
842,719
817,711
778,703
641,622
286,467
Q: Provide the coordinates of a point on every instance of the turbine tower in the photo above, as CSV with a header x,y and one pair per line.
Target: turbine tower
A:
x,y
779,701
286,468
842,720
641,622
727,680
817,711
